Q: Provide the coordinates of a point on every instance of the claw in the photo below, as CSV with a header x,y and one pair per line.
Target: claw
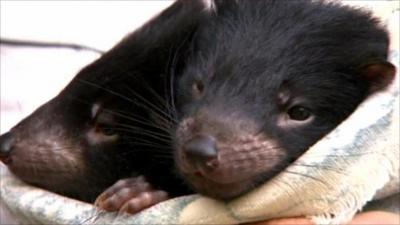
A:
x,y
130,196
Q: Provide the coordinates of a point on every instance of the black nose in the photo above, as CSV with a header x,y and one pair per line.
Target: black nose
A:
x,y
202,150
6,145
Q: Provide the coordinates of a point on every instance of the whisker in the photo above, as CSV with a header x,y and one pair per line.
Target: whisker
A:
x,y
141,130
135,139
105,89
137,118
147,144
146,133
172,73
152,124
150,106
152,151
154,93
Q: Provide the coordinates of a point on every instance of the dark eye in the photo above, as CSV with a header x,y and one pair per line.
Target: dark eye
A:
x,y
105,129
197,89
102,121
299,113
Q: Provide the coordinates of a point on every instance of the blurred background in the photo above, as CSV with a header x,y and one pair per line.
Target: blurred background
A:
x,y
30,76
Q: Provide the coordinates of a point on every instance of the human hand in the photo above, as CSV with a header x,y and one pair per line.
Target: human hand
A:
x,y
366,218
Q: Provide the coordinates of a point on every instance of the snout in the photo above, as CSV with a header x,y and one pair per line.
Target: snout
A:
x,y
6,147
202,152
225,163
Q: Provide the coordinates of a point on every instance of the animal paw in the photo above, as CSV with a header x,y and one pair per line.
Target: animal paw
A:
x,y
130,195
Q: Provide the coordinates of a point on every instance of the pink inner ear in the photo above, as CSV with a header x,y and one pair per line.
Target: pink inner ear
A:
x,y
379,75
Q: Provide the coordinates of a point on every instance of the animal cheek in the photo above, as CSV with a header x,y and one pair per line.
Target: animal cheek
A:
x,y
35,161
243,165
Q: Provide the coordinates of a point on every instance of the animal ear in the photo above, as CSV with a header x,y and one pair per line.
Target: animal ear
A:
x,y
379,74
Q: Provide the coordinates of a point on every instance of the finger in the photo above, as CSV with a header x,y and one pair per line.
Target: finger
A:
x,y
286,221
376,218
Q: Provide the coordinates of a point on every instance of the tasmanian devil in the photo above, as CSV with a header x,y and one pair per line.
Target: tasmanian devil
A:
x,y
112,121
265,80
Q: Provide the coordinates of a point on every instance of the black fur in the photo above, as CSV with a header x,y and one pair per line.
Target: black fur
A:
x,y
254,60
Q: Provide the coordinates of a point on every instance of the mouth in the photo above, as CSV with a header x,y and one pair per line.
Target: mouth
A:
x,y
210,186
215,184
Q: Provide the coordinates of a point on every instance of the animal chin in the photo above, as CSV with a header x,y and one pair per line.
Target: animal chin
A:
x,y
38,178
70,185
208,186
35,167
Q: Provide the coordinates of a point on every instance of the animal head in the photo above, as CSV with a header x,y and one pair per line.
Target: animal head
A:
x,y
266,80
111,121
